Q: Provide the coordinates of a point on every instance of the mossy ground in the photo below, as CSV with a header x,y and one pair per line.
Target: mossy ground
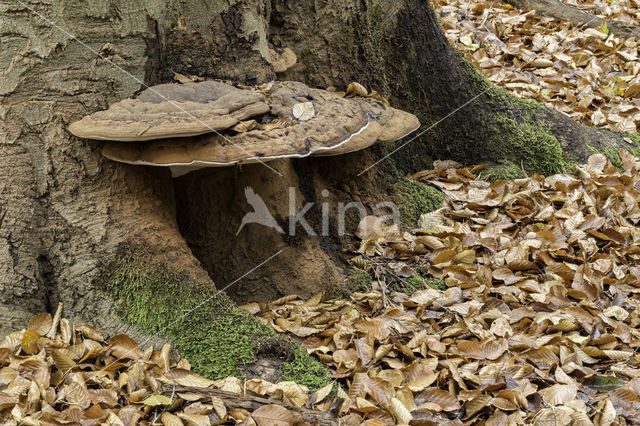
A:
x,y
299,369
357,281
361,281
504,170
203,324
417,281
420,280
415,199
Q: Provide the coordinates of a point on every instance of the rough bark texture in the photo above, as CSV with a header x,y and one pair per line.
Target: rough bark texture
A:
x,y
558,10
64,209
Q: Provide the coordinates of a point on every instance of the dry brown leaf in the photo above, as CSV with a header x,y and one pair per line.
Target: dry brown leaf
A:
x,y
445,400
559,394
41,323
272,414
194,419
90,332
169,419
29,341
124,347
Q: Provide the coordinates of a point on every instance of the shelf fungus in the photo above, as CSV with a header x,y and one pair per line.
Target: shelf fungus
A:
x,y
213,124
172,110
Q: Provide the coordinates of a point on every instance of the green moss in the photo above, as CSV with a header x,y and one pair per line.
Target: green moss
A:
x,y
412,284
205,326
415,199
300,370
417,282
514,132
527,141
504,170
358,281
611,152
430,280
436,283
635,138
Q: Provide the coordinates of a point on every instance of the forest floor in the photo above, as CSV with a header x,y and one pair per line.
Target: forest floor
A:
x,y
515,302
591,74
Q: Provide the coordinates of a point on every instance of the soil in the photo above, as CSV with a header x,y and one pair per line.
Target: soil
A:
x,y
265,369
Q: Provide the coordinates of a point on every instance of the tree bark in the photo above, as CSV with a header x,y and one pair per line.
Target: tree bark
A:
x,y
64,210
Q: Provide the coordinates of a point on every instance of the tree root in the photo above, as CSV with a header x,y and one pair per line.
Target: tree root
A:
x,y
557,9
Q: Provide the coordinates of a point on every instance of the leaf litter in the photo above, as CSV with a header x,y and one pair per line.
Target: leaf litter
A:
x,y
56,373
590,74
539,322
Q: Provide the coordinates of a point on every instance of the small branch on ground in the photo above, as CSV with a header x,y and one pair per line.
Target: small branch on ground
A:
x,y
251,403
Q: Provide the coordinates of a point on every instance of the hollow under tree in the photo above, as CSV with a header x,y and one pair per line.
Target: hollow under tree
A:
x,y
130,248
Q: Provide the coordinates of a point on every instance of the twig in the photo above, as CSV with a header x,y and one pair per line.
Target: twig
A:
x,y
383,286
251,403
486,16
522,167
466,11
166,407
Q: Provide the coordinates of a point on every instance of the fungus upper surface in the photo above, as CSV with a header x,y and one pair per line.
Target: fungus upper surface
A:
x,y
289,120
172,110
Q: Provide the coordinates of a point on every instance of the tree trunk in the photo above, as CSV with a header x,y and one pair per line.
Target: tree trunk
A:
x,y
65,211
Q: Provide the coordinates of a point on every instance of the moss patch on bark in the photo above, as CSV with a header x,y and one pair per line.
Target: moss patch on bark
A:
x,y
527,141
203,324
496,127
414,199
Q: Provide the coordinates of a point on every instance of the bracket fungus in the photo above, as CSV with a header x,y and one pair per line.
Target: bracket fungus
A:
x,y
197,125
172,110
